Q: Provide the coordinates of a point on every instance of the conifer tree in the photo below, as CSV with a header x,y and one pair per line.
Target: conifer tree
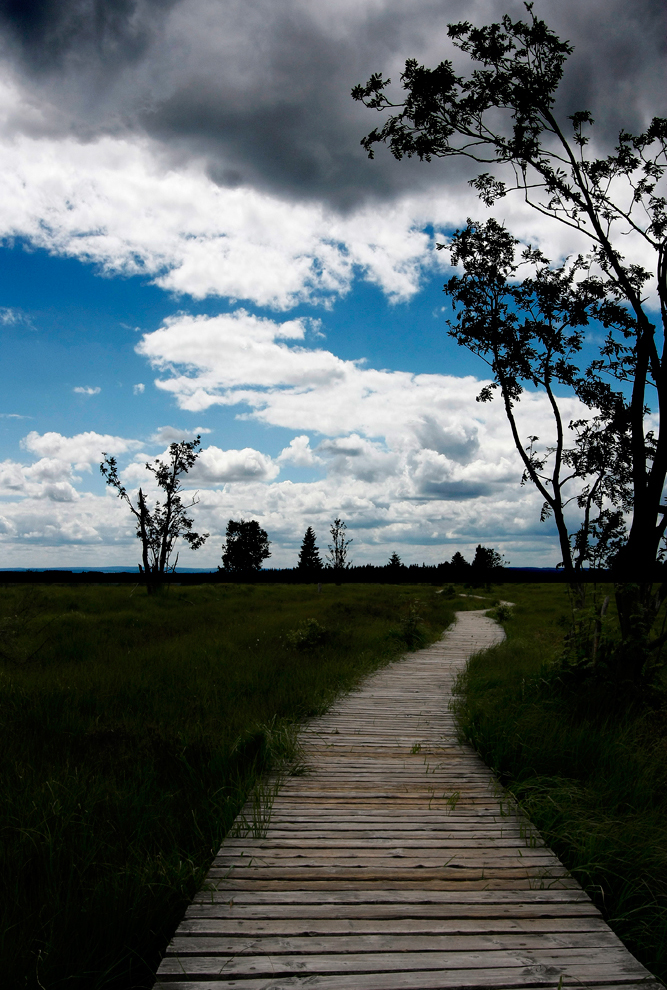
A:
x,y
309,556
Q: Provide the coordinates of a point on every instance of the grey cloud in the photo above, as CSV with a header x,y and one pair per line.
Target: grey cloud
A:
x,y
454,490
50,35
359,458
455,443
261,90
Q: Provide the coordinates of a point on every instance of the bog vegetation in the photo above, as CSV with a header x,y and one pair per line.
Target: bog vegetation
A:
x,y
132,728
585,755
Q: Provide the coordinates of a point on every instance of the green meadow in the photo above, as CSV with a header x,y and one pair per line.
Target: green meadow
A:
x,y
585,757
133,729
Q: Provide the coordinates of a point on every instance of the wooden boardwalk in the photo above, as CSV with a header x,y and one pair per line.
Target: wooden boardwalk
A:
x,y
395,863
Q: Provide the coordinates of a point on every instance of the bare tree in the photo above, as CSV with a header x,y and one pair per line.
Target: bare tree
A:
x,y
159,528
337,556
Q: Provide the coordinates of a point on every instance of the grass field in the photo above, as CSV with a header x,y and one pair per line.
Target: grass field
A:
x,y
132,729
587,761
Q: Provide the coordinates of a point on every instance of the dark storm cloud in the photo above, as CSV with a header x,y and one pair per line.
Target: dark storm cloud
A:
x,y
46,34
261,90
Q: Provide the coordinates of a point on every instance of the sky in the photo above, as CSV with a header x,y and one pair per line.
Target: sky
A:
x,y
193,242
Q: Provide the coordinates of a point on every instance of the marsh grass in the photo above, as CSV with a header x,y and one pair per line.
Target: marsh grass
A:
x,y
132,731
586,759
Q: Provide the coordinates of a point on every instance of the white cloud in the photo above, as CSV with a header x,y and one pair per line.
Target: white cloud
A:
x,y
48,478
87,390
138,388
121,203
299,453
215,466
81,450
115,203
360,458
11,317
172,434
238,359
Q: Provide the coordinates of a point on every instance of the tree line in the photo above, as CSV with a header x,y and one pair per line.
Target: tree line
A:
x,y
246,544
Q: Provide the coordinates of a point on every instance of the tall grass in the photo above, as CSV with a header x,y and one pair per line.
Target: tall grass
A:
x,y
586,759
131,731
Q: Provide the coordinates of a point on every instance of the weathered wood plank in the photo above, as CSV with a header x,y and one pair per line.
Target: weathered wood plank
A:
x,y
407,898
395,863
427,980
397,925
606,964
353,942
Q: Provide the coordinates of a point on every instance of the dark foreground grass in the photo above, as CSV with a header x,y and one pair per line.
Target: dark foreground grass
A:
x,y
131,738
587,761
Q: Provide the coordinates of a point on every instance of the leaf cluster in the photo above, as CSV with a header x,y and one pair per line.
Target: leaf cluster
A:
x,y
159,528
246,546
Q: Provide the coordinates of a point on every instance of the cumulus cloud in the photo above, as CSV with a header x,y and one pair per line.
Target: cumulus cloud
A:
x,y
392,438
264,365
87,390
299,453
116,203
213,467
138,388
359,458
216,466
81,450
48,478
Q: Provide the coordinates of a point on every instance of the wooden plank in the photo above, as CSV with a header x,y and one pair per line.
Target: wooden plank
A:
x,y
605,964
397,925
428,980
230,886
404,895
312,944
489,914
395,863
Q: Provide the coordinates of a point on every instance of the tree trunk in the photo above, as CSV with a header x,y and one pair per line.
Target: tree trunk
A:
x,y
638,606
151,583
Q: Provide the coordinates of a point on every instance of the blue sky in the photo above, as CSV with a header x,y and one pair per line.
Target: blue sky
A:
x,y
192,239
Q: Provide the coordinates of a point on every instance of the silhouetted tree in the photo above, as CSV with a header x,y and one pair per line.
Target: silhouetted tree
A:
x,y
459,562
395,561
504,115
486,564
246,546
309,555
159,528
532,332
337,556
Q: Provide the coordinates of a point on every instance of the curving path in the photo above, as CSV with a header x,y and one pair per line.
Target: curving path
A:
x,y
397,862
